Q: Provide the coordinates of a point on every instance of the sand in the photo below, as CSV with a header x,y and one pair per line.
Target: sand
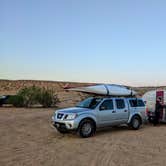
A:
x,y
27,138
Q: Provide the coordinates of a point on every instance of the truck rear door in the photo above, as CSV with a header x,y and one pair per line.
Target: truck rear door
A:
x,y
122,112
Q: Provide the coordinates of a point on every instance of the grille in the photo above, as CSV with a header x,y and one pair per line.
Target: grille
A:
x,y
59,116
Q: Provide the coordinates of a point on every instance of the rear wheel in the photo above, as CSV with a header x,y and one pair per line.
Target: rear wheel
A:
x,y
135,123
86,128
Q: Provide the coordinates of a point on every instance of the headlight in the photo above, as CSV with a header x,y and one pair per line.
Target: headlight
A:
x,y
70,116
54,116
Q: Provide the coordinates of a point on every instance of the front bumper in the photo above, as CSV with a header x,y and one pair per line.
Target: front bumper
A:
x,y
59,125
65,124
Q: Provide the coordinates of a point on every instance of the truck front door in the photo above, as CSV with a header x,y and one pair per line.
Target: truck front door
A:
x,y
106,112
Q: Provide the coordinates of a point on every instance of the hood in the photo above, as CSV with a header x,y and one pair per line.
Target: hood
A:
x,y
73,110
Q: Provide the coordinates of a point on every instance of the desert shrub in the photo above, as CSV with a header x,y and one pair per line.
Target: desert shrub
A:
x,y
16,101
29,96
47,98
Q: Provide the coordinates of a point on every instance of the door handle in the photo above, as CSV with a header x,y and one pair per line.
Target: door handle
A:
x,y
125,110
113,111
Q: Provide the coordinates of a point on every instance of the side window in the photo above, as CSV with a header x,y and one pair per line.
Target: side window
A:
x,y
120,104
107,105
140,103
133,103
136,103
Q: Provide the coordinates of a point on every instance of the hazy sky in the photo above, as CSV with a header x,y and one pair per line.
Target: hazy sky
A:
x,y
111,41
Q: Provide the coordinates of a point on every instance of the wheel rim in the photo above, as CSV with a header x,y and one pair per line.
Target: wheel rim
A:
x,y
86,129
135,123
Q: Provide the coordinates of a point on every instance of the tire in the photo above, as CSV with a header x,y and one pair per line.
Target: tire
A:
x,y
135,123
86,128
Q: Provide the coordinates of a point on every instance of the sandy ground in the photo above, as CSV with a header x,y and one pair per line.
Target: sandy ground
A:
x,y
27,138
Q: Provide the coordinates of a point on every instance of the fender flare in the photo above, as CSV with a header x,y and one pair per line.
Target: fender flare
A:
x,y
133,115
87,116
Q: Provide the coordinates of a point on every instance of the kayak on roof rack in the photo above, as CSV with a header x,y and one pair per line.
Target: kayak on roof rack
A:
x,y
106,89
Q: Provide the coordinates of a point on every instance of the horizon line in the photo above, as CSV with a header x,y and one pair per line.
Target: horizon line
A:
x,y
78,82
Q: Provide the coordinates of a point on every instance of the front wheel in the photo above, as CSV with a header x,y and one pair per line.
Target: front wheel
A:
x,y
135,123
86,128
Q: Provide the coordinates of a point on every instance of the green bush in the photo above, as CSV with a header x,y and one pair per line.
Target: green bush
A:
x,y
47,98
16,101
33,95
30,95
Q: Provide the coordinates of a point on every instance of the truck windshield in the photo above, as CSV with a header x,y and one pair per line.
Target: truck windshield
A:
x,y
89,103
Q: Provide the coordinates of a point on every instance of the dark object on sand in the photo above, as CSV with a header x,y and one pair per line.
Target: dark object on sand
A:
x,y
4,99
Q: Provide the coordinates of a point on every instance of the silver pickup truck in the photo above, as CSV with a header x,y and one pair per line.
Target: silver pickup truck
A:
x,y
96,112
